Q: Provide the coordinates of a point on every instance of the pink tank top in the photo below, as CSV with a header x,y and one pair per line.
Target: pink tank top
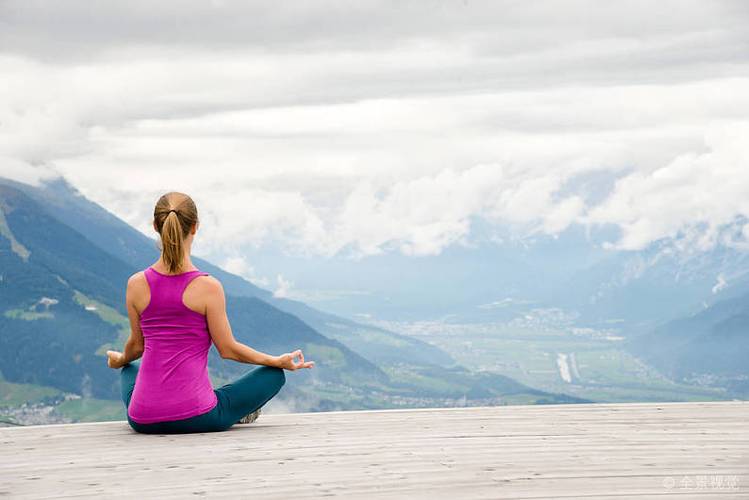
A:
x,y
172,382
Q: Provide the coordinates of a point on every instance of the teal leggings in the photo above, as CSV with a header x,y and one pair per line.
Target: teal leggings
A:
x,y
235,400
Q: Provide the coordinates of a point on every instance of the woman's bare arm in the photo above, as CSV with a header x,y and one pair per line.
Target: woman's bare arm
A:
x,y
134,345
228,347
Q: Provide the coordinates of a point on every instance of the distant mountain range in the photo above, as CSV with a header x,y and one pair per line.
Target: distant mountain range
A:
x,y
711,346
497,276
64,262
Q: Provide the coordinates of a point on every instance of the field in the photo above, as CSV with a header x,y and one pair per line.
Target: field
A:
x,y
579,362
16,394
91,410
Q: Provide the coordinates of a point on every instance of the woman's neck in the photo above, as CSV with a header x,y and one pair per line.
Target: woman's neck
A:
x,y
187,264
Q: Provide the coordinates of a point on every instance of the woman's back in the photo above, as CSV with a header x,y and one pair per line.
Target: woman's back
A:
x,y
173,381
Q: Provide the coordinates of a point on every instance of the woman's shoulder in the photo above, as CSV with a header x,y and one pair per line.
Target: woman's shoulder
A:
x,y
137,278
138,292
208,282
205,289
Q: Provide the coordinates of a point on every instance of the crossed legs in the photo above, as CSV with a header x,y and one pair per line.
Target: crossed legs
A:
x,y
235,400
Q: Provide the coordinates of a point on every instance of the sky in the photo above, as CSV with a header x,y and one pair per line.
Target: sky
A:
x,y
346,130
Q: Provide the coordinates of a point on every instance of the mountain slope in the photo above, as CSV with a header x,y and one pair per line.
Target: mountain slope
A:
x,y
711,346
50,338
644,288
46,337
118,238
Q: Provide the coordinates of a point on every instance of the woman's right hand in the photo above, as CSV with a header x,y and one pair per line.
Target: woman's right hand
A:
x,y
287,361
115,359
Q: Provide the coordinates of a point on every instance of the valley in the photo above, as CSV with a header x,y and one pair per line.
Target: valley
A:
x,y
64,261
584,362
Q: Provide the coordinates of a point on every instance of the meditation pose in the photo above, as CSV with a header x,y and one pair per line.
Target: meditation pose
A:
x,y
176,311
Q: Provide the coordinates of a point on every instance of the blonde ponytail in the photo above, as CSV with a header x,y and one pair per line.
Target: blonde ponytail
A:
x,y
173,243
174,216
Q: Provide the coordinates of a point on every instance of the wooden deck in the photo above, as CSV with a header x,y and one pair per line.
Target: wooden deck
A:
x,y
665,450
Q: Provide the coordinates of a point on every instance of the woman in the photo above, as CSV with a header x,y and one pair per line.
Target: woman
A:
x,y
175,312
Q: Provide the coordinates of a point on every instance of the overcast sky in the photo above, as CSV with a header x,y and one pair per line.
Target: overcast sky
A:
x,y
357,128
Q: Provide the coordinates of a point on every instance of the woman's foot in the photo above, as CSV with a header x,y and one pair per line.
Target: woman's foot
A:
x,y
250,417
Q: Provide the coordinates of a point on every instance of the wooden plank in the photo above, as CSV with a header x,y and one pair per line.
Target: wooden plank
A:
x,y
642,450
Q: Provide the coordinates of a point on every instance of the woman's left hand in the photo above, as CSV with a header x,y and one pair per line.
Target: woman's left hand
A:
x,y
115,359
287,361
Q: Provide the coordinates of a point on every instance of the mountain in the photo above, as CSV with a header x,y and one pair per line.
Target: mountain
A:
x,y
711,347
495,276
63,265
45,336
116,237
50,338
644,288
570,270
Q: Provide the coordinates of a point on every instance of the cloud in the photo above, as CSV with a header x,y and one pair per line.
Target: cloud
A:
x,y
18,170
239,266
419,216
720,284
695,196
357,129
284,286
79,29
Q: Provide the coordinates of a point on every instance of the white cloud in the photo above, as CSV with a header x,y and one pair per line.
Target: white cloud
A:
x,y
284,287
694,196
18,170
291,129
239,266
720,284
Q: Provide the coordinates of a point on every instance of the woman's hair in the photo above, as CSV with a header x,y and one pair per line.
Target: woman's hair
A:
x,y
174,226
